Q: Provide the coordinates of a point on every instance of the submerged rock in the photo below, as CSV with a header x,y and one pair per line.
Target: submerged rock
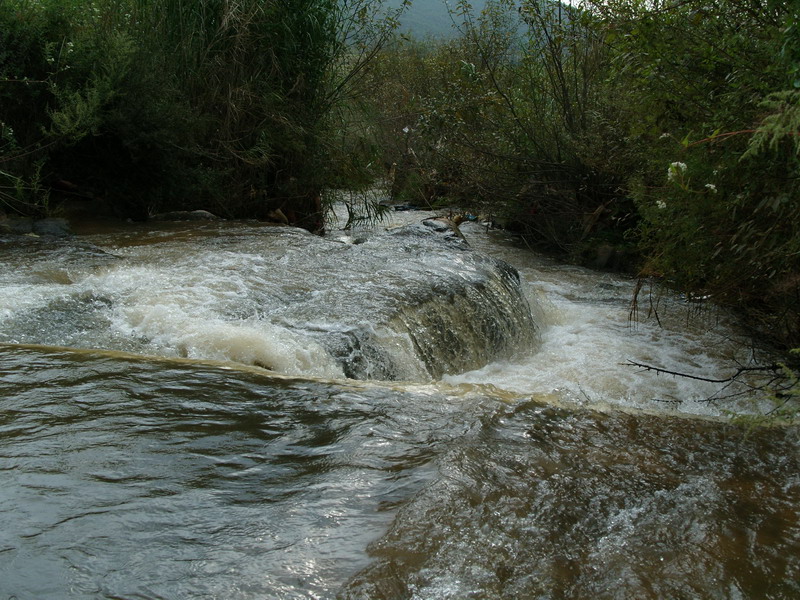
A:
x,y
412,303
442,307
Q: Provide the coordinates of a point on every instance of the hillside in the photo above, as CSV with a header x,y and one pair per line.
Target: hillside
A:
x,y
430,18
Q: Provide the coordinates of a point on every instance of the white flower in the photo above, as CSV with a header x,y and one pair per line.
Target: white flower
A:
x,y
665,135
711,187
675,169
661,204
406,130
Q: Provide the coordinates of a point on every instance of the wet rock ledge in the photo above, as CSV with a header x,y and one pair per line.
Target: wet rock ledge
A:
x,y
49,227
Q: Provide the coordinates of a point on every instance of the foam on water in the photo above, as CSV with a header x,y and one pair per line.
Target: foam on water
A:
x,y
589,337
131,477
380,302
406,304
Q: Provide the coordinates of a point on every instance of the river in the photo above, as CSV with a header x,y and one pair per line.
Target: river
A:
x,y
237,411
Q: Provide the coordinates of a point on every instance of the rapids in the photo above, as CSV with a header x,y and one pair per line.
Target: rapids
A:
x,y
237,411
411,304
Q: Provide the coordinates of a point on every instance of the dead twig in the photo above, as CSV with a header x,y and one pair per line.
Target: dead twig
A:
x,y
766,368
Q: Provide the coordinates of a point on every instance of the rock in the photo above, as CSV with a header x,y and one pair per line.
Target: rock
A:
x,y
203,215
20,226
186,215
444,225
52,227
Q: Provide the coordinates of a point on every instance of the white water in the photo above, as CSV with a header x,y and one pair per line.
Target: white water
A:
x,y
589,338
288,301
127,477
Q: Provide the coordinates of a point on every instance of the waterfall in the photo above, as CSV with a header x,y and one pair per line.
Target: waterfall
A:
x,y
412,303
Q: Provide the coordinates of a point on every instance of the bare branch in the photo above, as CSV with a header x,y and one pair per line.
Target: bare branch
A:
x,y
766,368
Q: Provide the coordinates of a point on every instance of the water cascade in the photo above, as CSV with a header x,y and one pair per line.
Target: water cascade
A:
x,y
413,305
231,410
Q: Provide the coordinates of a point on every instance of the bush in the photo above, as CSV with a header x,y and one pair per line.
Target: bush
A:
x,y
717,190
663,132
169,104
499,122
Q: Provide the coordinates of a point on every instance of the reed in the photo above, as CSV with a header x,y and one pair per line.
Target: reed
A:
x,y
168,104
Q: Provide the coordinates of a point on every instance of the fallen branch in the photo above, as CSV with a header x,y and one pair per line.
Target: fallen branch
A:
x,y
739,371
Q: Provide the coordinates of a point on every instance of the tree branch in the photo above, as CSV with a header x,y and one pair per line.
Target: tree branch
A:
x,y
739,371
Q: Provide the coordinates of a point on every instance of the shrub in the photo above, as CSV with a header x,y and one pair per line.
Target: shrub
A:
x,y
169,104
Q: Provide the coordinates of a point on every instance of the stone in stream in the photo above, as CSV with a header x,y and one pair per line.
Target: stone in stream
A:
x,y
52,227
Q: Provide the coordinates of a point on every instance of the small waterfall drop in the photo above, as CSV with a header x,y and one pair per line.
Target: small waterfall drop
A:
x,y
413,303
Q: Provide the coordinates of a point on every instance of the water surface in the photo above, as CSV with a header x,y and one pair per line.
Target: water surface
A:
x,y
244,412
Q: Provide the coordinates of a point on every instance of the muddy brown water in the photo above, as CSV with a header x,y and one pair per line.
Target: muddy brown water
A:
x,y
437,421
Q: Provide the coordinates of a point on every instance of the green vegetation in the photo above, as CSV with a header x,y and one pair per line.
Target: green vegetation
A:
x,y
168,104
655,136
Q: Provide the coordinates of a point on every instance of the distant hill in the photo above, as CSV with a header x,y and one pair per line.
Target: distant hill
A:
x,y
430,18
